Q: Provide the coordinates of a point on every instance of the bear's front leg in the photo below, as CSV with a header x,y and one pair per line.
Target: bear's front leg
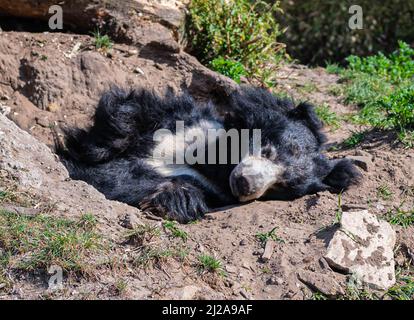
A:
x,y
177,200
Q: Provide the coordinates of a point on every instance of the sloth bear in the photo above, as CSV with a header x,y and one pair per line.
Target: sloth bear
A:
x,y
131,152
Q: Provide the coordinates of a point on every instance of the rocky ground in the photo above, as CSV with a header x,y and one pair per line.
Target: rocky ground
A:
x,y
50,80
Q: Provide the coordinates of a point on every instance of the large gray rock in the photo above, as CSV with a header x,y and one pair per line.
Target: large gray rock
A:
x,y
36,170
363,246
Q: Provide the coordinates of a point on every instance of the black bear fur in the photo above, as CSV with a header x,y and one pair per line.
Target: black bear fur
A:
x,y
111,155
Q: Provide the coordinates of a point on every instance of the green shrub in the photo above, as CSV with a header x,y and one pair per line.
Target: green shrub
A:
x,y
383,86
399,107
395,68
317,31
243,31
230,68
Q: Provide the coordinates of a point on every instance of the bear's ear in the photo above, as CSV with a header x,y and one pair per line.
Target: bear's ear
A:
x,y
342,175
305,112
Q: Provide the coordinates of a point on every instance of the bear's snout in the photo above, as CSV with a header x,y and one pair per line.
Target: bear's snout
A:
x,y
253,177
241,186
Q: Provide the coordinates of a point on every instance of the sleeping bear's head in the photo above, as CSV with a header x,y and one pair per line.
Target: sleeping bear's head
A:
x,y
289,162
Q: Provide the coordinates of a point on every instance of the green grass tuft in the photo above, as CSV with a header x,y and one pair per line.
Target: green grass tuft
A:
x,y
384,192
140,235
3,195
318,296
102,41
263,237
354,140
327,116
403,290
41,241
175,231
401,217
209,263
152,257
333,68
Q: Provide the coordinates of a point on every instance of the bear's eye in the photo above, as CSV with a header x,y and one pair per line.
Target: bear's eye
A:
x,y
268,153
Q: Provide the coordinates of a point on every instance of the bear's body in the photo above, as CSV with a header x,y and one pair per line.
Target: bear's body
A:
x,y
120,154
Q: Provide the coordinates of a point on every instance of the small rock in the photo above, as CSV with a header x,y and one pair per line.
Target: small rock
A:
x,y
130,221
132,52
268,251
307,259
400,260
244,294
231,269
5,109
380,207
187,292
200,248
258,252
275,281
363,162
324,264
321,282
53,107
165,45
43,122
353,207
363,153
363,246
76,48
243,242
139,71
110,54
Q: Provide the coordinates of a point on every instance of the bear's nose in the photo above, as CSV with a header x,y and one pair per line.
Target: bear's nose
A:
x,y
242,186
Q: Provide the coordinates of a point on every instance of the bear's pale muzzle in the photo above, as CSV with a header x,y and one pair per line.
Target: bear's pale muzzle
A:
x,y
253,176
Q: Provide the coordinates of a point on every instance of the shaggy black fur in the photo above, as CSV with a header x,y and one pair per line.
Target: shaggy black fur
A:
x,y
112,154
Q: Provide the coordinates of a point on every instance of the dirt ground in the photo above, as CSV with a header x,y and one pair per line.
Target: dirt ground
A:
x,y
45,83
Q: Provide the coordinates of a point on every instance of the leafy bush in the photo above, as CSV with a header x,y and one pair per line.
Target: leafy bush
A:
x,y
395,68
243,31
383,87
399,107
317,31
229,68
